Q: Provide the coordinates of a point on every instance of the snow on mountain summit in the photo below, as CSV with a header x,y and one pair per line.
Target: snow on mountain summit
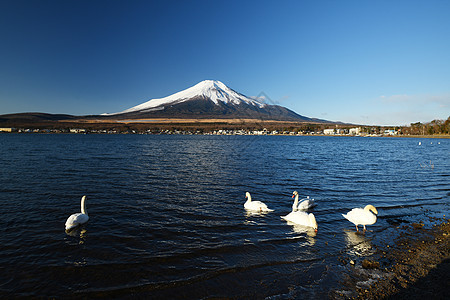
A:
x,y
217,91
214,90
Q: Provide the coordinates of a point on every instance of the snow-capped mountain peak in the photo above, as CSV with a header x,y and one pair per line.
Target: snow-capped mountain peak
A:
x,y
213,90
217,91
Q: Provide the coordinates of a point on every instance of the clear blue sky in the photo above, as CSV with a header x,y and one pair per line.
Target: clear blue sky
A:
x,y
370,62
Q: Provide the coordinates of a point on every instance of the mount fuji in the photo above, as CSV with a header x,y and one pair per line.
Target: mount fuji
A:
x,y
209,99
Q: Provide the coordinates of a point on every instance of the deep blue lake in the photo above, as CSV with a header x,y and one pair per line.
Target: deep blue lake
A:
x,y
167,217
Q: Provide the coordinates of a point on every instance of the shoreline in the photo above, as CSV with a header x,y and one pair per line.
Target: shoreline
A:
x,y
100,132
415,264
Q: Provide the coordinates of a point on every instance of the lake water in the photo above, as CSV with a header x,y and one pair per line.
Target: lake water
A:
x,y
167,217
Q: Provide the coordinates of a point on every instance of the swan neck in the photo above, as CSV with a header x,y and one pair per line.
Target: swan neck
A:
x,y
294,206
83,205
371,208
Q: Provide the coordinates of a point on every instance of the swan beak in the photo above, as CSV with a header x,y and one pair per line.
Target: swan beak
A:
x,y
293,196
315,230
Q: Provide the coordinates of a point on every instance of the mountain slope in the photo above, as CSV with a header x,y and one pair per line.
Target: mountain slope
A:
x,y
213,90
209,99
34,117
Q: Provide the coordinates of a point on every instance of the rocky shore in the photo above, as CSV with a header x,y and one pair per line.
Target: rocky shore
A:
x,y
414,265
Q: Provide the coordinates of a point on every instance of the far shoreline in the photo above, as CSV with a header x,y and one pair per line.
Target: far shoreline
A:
x,y
209,126
81,131
212,124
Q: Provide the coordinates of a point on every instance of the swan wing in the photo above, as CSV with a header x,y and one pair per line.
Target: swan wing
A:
x,y
288,216
297,217
306,204
359,216
257,205
251,205
76,220
263,206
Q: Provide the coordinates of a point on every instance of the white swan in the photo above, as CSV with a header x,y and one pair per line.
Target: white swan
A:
x,y
305,204
78,218
362,216
301,217
255,205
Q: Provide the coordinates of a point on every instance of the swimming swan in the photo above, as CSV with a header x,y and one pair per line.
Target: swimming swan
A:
x,y
78,218
304,204
255,205
360,216
301,217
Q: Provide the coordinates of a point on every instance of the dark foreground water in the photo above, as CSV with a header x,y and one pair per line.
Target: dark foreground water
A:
x,y
167,216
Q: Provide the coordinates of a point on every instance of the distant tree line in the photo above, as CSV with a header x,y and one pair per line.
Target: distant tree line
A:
x,y
430,128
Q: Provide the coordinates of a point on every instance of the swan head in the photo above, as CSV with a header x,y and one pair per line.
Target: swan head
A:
x,y
313,222
295,193
371,208
247,196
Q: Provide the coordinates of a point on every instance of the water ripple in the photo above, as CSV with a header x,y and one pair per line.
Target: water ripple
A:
x,y
167,213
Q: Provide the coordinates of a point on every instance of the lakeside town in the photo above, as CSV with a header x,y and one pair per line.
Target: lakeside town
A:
x,y
439,128
349,132
355,131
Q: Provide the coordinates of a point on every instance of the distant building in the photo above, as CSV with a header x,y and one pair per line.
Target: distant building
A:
x,y
328,131
354,131
390,132
77,130
4,129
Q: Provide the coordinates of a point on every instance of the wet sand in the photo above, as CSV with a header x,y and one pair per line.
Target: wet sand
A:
x,y
415,265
